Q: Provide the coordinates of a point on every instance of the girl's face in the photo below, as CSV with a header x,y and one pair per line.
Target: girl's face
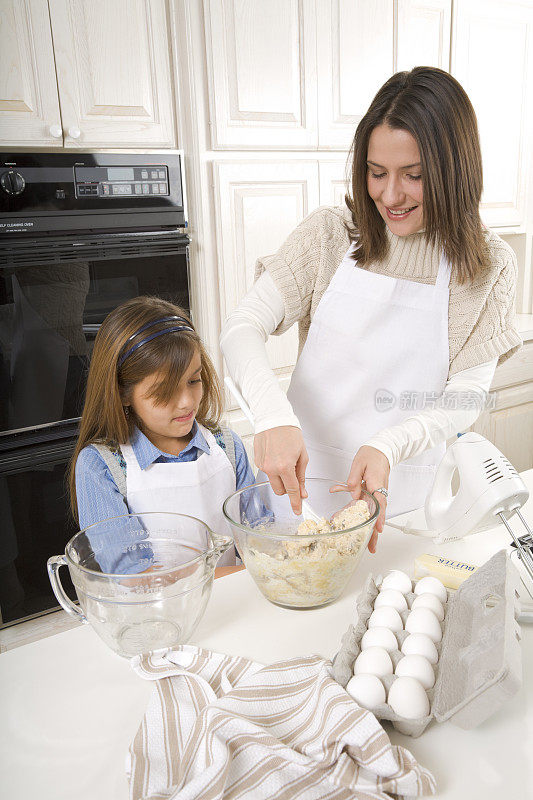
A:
x,y
394,179
168,426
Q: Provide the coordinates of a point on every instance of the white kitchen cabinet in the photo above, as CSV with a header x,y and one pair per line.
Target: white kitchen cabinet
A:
x,y
493,59
360,45
355,50
113,71
106,65
262,73
29,103
508,422
259,204
424,34
301,74
334,181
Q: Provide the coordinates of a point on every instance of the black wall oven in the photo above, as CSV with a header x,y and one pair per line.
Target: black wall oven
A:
x,y
79,234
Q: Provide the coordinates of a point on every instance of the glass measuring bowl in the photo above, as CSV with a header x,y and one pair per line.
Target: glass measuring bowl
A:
x,y
290,569
142,580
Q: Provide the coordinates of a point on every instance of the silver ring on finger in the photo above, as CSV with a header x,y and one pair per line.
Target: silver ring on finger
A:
x,y
382,490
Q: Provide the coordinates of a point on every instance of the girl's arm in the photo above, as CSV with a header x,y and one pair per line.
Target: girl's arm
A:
x,y
98,499
243,470
97,494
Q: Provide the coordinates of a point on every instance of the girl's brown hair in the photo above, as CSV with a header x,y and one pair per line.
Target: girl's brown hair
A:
x,y
434,108
110,384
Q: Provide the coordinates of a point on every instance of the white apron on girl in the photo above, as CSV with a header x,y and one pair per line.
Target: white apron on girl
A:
x,y
197,488
375,346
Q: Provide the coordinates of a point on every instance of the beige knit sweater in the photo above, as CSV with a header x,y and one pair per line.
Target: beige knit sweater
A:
x,y
481,313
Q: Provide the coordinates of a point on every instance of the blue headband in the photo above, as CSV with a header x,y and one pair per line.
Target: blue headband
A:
x,y
186,327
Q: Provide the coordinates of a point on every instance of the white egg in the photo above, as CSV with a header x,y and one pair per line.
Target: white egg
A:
x,y
379,637
418,644
408,698
385,617
392,598
430,601
373,661
432,586
422,620
416,667
396,579
367,690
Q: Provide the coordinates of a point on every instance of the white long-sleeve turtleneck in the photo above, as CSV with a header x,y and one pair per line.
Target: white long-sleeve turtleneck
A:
x,y
243,343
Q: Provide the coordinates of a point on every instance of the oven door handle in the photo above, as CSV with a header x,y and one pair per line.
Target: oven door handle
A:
x,y
64,601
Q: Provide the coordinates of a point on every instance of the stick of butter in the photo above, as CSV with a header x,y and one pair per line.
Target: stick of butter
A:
x,y
451,573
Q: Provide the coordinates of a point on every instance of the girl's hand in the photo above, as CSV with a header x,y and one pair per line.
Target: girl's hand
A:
x,y
221,572
371,467
281,454
151,579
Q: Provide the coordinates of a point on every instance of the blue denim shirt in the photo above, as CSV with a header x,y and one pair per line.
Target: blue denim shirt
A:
x,y
99,498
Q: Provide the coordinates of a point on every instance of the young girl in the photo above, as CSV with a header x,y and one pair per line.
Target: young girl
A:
x,y
149,438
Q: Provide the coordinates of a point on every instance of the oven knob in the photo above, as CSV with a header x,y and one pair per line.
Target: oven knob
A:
x,y
12,182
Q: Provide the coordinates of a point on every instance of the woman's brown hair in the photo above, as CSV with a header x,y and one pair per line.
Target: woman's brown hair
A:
x,y
434,108
110,383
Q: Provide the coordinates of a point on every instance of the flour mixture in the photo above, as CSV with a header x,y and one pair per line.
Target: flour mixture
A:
x,y
312,572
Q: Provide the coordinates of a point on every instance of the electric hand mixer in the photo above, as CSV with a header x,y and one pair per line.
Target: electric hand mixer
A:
x,y
489,489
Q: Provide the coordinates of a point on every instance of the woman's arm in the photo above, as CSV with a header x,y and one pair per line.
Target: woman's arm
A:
x,y
461,403
274,304
278,444
242,341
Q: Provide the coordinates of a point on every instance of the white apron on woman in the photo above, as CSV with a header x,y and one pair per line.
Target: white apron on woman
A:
x,y
197,488
372,334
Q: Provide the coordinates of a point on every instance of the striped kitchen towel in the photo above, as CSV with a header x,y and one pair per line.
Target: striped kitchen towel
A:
x,y
219,726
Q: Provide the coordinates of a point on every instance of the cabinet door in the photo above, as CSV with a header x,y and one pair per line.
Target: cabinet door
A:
x,y
424,33
261,59
510,425
29,105
335,180
355,50
259,204
113,72
492,58
508,420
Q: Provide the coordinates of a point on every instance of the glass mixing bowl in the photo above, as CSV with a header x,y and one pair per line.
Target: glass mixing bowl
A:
x,y
143,580
291,569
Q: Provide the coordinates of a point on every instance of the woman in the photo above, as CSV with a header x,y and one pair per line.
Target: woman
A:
x,y
404,303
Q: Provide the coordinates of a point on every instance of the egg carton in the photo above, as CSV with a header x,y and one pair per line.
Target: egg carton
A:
x,y
480,659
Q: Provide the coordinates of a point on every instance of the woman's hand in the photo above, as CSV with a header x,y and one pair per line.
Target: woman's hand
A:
x,y
281,454
371,467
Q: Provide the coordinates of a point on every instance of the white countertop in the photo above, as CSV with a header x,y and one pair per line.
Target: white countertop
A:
x,y
70,707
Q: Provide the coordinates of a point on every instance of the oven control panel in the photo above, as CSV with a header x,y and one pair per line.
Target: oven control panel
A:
x,y
138,181
76,191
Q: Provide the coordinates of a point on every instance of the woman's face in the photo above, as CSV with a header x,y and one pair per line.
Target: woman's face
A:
x,y
165,423
394,179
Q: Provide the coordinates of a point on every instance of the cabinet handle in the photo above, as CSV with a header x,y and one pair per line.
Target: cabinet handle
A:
x,y
74,132
56,131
